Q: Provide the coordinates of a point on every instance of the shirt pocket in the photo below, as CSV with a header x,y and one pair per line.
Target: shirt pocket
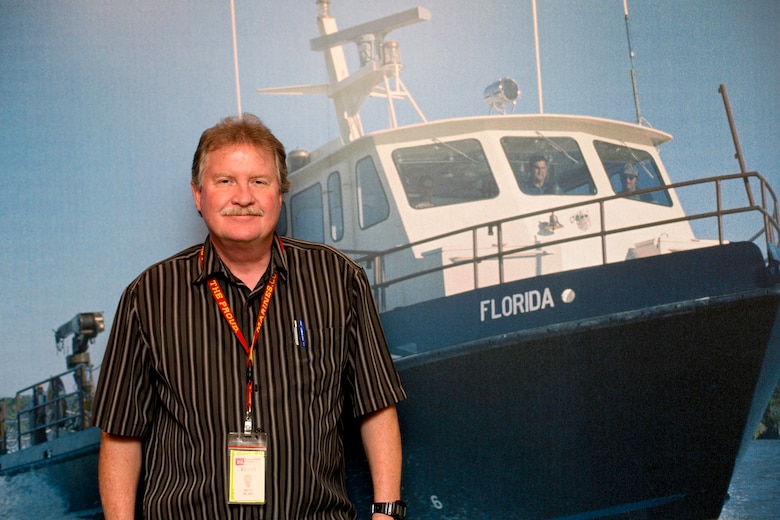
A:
x,y
319,360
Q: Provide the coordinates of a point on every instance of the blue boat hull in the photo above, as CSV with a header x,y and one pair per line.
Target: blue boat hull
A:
x,y
630,401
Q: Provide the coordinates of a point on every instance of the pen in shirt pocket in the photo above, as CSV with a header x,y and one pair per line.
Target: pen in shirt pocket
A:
x,y
299,333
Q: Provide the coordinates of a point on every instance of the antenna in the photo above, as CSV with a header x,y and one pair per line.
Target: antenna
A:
x,y
235,54
538,63
633,73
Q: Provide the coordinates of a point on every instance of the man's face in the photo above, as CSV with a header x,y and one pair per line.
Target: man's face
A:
x,y
629,182
240,198
539,172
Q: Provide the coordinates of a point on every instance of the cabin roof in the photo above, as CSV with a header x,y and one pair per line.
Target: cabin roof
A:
x,y
441,129
606,128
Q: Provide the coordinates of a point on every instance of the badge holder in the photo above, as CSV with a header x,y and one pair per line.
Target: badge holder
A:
x,y
246,467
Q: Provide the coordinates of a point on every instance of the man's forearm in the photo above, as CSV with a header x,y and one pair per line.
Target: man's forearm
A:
x,y
119,469
382,443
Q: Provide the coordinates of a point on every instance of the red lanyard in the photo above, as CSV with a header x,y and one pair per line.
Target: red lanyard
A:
x,y
224,307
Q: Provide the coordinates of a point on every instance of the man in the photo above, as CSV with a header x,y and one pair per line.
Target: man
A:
x,y
628,178
426,193
536,183
234,357
629,183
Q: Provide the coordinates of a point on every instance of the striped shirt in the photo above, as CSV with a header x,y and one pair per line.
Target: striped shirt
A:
x,y
174,375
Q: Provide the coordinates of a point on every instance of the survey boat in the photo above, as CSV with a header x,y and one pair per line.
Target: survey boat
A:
x,y
570,350
45,432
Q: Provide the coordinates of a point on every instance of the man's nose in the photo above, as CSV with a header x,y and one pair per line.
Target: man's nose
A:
x,y
243,195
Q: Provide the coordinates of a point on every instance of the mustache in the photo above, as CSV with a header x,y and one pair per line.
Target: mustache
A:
x,y
240,212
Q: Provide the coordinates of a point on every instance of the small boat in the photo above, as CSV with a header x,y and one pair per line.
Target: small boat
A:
x,y
578,351
48,434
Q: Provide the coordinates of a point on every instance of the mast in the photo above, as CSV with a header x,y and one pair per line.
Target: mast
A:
x,y
336,65
737,146
633,73
235,54
380,62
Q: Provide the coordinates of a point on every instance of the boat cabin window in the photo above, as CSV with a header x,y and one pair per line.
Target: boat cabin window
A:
x,y
281,226
335,207
306,209
372,200
548,166
440,174
629,170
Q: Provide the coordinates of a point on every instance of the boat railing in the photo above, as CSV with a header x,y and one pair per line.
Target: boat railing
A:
x,y
737,201
47,410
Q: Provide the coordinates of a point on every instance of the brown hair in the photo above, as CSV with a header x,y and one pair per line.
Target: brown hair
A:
x,y
536,159
247,129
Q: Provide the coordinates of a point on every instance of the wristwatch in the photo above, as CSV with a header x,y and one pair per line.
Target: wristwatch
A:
x,y
395,509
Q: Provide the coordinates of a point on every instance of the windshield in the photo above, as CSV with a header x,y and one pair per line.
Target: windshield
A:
x,y
630,170
548,166
441,174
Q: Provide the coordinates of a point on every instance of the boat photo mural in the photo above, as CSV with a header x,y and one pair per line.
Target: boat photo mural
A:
x,y
581,332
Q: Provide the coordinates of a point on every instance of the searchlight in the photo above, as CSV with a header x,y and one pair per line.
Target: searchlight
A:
x,y
502,93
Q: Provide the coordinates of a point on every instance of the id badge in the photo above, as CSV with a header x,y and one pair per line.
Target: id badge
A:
x,y
246,468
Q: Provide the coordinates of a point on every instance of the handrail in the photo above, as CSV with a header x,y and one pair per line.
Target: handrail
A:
x,y
768,209
40,417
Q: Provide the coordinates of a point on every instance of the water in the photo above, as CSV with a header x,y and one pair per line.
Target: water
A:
x,y
28,496
755,490
755,486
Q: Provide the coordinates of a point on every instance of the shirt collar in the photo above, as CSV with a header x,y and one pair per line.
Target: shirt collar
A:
x,y
278,257
213,266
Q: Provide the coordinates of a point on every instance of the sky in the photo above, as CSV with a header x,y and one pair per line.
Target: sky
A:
x,y
102,104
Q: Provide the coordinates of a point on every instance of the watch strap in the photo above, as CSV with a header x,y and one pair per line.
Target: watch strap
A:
x,y
395,509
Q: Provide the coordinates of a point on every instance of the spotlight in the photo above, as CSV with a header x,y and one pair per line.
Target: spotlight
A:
x,y
501,93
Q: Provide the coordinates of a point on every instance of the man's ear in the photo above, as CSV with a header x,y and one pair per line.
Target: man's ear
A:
x,y
196,195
